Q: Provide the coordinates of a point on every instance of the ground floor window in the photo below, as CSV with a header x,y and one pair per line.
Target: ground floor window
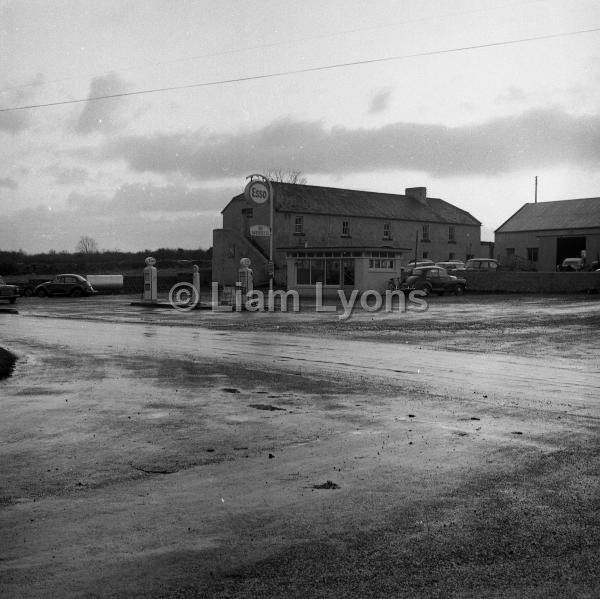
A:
x,y
328,271
381,260
532,254
348,272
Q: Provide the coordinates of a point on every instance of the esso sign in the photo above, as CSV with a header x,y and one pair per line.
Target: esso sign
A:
x,y
257,191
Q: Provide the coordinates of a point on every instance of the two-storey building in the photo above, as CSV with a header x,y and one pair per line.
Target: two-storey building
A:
x,y
342,238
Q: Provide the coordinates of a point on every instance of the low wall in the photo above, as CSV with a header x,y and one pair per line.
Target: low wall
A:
x,y
532,282
135,283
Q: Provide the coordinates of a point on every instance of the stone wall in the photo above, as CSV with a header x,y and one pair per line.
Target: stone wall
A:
x,y
532,282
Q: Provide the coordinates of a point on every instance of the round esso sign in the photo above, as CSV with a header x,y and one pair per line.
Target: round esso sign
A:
x,y
257,191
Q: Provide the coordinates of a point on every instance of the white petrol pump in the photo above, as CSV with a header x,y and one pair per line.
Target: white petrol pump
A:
x,y
150,281
246,276
196,280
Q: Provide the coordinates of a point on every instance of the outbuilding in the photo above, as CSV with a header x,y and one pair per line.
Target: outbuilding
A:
x,y
541,235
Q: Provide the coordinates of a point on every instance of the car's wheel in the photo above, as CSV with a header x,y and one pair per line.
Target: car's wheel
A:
x,y
426,289
459,290
42,292
28,292
76,292
12,300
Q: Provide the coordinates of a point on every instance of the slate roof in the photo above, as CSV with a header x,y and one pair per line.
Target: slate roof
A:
x,y
582,213
311,199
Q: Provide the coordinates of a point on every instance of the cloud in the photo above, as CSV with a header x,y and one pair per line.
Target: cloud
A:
x,y
146,198
102,115
536,138
9,183
136,216
17,120
512,94
380,101
69,176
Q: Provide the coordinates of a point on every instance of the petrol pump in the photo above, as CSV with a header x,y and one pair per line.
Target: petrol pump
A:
x,y
196,281
246,277
150,281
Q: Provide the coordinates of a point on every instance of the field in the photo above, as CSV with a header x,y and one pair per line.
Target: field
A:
x,y
447,453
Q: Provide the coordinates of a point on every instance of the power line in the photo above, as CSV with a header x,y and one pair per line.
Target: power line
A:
x,y
306,70
266,46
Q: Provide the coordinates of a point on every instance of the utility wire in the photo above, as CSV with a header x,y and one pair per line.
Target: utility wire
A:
x,y
306,70
266,46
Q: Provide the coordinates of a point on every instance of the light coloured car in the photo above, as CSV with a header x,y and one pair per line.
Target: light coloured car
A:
x,y
8,292
451,265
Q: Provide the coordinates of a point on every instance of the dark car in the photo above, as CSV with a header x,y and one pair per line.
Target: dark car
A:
x,y
8,292
66,285
433,279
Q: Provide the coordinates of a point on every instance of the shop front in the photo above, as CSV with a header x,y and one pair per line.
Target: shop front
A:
x,y
347,269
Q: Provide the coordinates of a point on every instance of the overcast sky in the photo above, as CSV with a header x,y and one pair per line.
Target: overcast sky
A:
x,y
154,170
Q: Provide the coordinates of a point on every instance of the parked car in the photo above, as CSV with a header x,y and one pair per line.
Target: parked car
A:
x,y
572,265
485,264
451,265
8,292
67,285
433,279
413,264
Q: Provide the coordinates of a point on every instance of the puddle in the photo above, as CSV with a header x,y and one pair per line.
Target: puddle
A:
x,y
7,363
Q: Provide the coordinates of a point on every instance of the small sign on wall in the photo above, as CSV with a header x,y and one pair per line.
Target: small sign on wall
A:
x,y
260,231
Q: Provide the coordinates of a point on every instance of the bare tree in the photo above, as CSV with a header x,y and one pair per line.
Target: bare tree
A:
x,y
87,245
285,176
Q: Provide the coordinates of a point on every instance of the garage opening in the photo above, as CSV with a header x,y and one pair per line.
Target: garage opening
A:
x,y
569,247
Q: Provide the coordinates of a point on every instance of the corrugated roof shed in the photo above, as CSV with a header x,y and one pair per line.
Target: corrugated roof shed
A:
x,y
583,213
311,199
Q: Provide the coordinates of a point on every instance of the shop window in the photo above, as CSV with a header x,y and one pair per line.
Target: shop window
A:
x,y
381,260
303,272
332,272
451,256
299,225
425,233
451,235
387,231
317,271
247,212
532,254
345,228
425,255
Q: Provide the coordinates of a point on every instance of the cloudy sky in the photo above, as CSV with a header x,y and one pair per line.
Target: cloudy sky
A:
x,y
418,106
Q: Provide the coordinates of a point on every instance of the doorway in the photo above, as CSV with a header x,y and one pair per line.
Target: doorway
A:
x,y
569,247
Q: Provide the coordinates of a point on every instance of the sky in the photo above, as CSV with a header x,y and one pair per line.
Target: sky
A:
x,y
430,95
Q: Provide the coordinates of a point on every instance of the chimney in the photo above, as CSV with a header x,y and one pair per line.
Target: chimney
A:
x,y
416,193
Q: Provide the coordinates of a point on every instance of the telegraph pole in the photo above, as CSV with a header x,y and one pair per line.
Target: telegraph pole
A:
x,y
536,189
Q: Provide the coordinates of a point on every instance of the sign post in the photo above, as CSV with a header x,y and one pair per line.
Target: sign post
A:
x,y
260,190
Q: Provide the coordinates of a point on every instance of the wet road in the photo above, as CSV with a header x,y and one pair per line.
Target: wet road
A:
x,y
144,453
503,379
